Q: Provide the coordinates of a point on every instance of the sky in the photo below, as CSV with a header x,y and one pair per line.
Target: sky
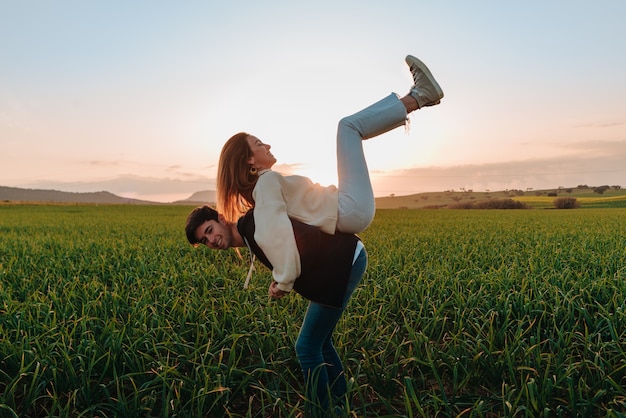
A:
x,y
138,97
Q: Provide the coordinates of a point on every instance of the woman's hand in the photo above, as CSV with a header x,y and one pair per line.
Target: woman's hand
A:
x,y
275,292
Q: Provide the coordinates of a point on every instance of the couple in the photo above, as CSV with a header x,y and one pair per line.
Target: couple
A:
x,y
305,233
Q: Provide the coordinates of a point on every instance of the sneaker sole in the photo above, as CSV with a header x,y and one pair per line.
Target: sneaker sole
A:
x,y
411,60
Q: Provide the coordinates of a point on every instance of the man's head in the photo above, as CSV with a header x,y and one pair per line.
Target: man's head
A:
x,y
206,226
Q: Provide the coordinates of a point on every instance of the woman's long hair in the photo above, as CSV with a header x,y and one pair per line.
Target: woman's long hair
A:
x,y
234,180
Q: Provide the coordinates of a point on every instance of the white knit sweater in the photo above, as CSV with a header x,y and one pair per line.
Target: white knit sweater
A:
x,y
276,199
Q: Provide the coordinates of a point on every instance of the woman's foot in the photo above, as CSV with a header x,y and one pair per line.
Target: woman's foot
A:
x,y
426,90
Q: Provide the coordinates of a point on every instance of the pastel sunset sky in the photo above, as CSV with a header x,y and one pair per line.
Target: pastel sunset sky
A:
x,y
138,97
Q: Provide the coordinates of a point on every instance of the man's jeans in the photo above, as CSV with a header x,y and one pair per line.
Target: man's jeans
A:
x,y
321,365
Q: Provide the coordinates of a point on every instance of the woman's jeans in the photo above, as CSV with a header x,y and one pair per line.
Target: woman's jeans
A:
x,y
356,197
321,365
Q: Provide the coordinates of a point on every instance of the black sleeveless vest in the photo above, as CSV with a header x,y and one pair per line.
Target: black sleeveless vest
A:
x,y
326,260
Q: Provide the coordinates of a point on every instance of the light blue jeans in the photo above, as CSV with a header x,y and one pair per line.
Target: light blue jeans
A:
x,y
321,365
356,197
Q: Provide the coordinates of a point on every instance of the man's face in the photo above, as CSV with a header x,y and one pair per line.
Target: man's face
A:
x,y
214,235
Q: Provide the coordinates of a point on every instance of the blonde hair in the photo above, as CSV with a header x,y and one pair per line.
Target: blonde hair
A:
x,y
235,182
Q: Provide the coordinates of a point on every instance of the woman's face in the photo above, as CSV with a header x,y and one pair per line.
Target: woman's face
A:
x,y
261,158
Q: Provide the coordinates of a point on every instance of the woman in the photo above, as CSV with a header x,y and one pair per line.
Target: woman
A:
x,y
245,179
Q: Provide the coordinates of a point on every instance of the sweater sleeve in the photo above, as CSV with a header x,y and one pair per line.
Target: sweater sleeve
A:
x,y
274,232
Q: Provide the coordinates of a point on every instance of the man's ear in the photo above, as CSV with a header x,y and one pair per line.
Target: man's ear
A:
x,y
221,219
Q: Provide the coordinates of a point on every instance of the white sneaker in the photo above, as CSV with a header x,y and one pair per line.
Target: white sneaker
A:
x,y
425,90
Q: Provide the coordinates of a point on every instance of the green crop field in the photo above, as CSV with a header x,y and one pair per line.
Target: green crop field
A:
x,y
106,311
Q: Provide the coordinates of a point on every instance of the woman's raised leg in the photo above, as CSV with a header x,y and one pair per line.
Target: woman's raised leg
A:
x,y
356,197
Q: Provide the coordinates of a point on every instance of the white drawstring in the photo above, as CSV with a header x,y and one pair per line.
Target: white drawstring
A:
x,y
251,269
245,284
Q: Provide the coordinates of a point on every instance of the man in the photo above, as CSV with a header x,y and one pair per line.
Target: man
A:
x,y
330,268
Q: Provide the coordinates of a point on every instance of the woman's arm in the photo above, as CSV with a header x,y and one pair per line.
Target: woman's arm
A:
x,y
274,232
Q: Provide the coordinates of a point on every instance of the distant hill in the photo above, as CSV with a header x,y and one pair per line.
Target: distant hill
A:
x,y
205,197
414,201
433,200
14,194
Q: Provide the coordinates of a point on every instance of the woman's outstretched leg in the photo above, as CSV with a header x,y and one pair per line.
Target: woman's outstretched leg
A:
x,y
356,197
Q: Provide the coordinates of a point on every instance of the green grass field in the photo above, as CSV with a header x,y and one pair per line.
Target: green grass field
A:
x,y
106,311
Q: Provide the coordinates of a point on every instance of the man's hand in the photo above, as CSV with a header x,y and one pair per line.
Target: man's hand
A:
x,y
275,292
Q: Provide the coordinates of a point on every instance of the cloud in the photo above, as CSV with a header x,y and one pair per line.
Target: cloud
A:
x,y
595,166
288,169
600,125
102,163
603,149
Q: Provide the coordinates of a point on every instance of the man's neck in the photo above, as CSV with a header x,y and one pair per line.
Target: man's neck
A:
x,y
237,238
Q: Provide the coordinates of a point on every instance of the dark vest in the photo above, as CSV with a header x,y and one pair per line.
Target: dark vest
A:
x,y
326,260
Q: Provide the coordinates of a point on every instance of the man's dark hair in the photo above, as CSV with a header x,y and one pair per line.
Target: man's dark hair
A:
x,y
197,217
